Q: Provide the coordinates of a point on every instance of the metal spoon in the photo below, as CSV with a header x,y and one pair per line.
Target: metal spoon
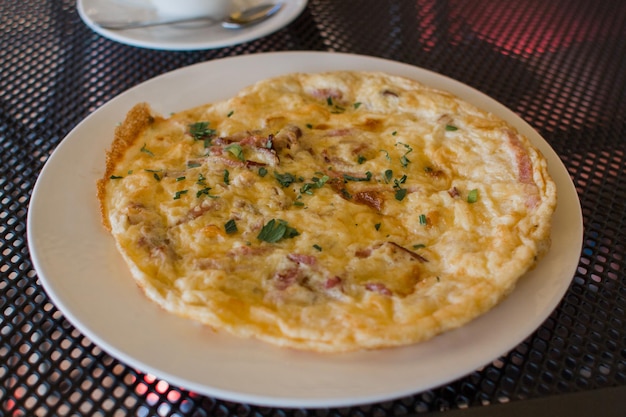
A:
x,y
236,20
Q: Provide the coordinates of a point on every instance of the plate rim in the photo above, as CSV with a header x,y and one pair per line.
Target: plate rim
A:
x,y
51,288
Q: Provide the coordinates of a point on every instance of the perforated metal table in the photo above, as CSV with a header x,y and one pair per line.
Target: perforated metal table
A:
x,y
560,65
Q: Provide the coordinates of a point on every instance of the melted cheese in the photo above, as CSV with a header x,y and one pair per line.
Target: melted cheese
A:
x,y
404,211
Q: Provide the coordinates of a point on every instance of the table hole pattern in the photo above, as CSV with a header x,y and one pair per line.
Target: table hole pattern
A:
x,y
556,67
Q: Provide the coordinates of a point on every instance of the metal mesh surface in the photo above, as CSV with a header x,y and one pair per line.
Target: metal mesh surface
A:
x,y
558,64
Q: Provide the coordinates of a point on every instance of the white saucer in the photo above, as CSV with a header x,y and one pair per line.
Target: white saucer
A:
x,y
178,38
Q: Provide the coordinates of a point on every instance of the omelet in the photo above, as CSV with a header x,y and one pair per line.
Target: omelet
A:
x,y
327,212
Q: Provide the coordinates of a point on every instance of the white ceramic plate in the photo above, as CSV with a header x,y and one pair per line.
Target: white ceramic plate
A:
x,y
88,281
178,37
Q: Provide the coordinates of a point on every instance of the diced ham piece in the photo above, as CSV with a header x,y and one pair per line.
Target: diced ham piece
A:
x,y
524,164
302,259
332,283
282,280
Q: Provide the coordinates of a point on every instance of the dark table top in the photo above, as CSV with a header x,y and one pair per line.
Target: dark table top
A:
x,y
560,65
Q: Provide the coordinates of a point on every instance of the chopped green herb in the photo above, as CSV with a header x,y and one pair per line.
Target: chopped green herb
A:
x,y
270,142
275,230
226,177
394,133
130,171
115,177
298,203
423,220
368,176
153,170
400,194
179,193
360,159
201,179
180,179
404,160
357,105
386,154
205,191
377,226
317,247
329,101
387,175
230,227
236,150
285,179
451,128
419,246
193,164
200,130
262,171
144,150
317,183
156,176
346,194
472,196
230,113
309,125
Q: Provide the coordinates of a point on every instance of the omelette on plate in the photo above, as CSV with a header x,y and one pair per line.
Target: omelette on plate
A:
x,y
329,211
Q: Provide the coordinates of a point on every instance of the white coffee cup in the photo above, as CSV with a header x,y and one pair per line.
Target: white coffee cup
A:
x,y
192,8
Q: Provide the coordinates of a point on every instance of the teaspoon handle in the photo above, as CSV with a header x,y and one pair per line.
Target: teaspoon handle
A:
x,y
111,25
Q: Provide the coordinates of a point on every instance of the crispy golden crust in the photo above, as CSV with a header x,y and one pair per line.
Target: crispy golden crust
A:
x,y
328,212
137,119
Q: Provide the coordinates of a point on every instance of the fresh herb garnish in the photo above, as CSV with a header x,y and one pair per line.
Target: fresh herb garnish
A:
x,y
285,179
115,177
377,226
193,164
472,196
451,128
236,150
387,175
180,179
145,150
205,191
201,179
200,130
423,220
317,247
400,192
230,113
156,176
275,230
262,171
386,154
230,227
357,105
403,159
179,193
368,176
317,183
419,246
360,159
226,177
